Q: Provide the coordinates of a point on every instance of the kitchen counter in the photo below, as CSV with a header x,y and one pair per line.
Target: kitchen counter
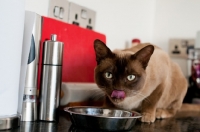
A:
x,y
182,122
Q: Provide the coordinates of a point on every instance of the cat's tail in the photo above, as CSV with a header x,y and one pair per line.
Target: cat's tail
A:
x,y
190,107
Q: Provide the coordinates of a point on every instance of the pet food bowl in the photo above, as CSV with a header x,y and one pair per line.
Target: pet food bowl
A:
x,y
102,118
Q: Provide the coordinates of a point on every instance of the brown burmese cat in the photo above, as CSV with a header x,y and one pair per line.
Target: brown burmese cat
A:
x,y
141,78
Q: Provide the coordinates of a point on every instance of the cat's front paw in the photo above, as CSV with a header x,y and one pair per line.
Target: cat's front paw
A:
x,y
148,117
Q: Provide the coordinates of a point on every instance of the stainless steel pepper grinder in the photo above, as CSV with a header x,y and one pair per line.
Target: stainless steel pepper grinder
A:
x,y
29,105
51,79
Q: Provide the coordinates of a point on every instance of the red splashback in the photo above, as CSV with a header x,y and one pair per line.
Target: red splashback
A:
x,y
78,54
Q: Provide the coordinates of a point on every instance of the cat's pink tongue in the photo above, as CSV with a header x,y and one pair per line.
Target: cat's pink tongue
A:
x,y
118,94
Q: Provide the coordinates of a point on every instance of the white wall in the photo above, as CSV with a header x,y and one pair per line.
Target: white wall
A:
x,y
37,6
11,39
175,19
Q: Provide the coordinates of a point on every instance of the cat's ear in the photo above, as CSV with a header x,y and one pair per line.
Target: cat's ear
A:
x,y
144,54
101,50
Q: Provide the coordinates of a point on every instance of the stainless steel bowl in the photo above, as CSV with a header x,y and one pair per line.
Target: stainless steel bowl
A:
x,y
102,118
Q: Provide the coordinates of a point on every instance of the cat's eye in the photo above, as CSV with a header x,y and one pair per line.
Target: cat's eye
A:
x,y
108,75
131,77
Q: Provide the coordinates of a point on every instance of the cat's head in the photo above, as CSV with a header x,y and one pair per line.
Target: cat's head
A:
x,y
120,75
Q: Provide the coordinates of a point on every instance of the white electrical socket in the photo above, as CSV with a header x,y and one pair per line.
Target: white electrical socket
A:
x,y
81,16
59,9
180,47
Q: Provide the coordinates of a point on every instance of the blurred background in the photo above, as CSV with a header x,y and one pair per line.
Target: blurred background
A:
x,y
154,21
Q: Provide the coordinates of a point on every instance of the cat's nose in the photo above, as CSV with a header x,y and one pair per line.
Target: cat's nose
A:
x,y
118,94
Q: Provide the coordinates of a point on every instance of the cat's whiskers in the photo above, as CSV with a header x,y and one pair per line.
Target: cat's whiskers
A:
x,y
135,92
139,93
144,97
97,94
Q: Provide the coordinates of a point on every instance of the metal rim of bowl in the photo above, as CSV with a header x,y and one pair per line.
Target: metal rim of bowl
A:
x,y
138,115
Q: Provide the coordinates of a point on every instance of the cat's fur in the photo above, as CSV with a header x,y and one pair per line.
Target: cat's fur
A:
x,y
159,86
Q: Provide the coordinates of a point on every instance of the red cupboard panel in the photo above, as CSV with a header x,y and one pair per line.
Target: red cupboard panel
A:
x,y
78,54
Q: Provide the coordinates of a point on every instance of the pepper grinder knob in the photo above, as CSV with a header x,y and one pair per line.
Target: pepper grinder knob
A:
x,y
53,37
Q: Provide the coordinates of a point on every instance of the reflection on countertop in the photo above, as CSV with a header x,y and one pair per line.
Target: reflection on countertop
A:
x,y
182,122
